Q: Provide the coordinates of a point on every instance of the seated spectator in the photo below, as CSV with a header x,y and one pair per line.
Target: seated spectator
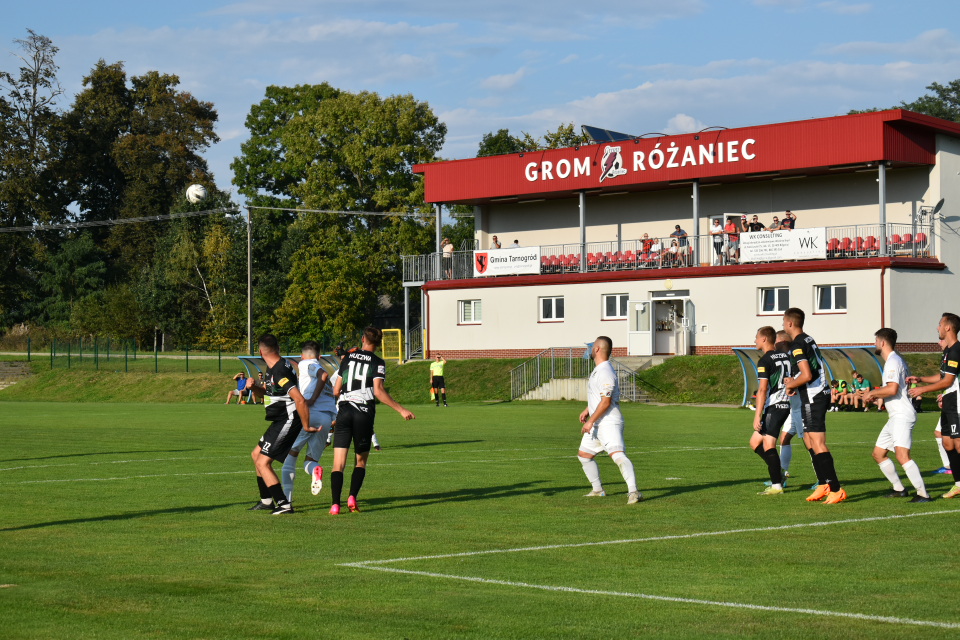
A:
x,y
645,243
673,254
494,243
838,392
240,391
860,386
789,221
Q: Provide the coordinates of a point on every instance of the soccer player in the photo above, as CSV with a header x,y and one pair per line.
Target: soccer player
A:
x,y
358,388
603,424
946,382
438,386
318,392
773,407
794,423
897,434
288,413
811,384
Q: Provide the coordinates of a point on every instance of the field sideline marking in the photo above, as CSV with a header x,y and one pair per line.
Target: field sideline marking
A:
x,y
373,565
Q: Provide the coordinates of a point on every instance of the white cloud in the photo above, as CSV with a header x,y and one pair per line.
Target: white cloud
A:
x,y
682,123
504,82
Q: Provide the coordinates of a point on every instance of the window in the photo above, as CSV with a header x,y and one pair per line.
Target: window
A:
x,y
615,306
832,297
551,309
774,300
471,312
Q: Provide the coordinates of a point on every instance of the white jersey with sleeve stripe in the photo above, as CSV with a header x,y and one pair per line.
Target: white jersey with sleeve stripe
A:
x,y
309,375
895,370
603,383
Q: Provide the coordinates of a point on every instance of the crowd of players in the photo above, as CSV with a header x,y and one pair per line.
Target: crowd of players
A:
x,y
793,399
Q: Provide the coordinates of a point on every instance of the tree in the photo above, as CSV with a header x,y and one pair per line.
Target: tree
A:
x,y
30,188
945,103
72,272
503,141
499,143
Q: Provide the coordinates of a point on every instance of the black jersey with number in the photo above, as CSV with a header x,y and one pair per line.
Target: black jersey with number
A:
x,y
805,348
278,381
950,365
358,371
774,367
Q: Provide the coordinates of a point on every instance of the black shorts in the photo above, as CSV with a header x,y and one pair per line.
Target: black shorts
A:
x,y
815,414
353,425
950,424
773,419
438,383
279,437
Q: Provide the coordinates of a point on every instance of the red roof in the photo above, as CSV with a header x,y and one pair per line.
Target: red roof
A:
x,y
805,147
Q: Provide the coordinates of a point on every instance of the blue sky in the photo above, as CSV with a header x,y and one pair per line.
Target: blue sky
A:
x,y
644,66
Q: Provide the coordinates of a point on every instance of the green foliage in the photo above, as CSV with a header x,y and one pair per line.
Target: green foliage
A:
x,y
503,141
73,271
699,379
942,102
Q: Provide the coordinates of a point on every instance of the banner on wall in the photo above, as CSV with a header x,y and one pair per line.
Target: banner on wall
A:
x,y
776,246
506,262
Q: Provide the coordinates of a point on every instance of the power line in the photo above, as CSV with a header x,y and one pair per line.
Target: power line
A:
x,y
348,213
111,223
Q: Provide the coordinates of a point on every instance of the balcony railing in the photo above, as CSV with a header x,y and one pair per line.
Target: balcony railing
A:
x,y
854,241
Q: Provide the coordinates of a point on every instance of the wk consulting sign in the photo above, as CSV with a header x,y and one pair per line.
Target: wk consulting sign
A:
x,y
506,262
774,246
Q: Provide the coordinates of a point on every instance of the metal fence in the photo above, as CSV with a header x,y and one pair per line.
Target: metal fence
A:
x,y
850,241
568,362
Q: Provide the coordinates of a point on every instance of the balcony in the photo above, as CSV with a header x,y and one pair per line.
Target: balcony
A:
x,y
846,242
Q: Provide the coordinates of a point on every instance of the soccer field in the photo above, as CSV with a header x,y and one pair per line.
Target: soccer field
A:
x,y
130,520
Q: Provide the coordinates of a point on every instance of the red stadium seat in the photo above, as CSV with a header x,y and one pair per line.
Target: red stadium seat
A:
x,y
833,245
846,247
871,245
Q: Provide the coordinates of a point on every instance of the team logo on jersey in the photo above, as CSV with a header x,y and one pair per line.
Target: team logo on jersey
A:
x,y
952,363
798,352
612,163
481,262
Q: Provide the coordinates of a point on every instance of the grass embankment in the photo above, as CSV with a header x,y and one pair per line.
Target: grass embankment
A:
x,y
688,379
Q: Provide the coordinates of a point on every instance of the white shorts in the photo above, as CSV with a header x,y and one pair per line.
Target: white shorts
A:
x,y
794,422
898,432
315,440
603,438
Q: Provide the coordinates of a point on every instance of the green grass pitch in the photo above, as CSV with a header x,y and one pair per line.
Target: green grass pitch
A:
x,y
130,521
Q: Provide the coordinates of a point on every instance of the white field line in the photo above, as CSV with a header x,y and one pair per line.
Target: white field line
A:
x,y
374,565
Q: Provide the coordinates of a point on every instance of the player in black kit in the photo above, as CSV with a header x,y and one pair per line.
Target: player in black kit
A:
x,y
288,413
946,382
773,406
358,388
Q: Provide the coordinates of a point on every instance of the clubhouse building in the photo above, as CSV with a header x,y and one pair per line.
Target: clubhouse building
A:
x,y
876,239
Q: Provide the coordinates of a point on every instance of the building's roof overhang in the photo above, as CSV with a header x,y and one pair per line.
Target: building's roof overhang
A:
x,y
767,268
824,146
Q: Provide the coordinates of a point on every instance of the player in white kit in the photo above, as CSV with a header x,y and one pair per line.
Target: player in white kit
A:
x,y
897,434
603,424
318,392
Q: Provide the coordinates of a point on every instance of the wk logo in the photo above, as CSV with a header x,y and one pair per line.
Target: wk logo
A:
x,y
481,262
808,243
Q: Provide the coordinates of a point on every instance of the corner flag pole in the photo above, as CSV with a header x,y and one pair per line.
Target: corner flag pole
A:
x,y
250,280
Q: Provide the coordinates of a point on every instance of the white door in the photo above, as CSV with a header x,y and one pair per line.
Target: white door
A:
x,y
639,334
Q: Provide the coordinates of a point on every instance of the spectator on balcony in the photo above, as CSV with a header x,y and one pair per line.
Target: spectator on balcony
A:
x,y
775,225
789,221
646,243
447,248
732,231
717,232
755,224
515,245
681,237
674,253
495,244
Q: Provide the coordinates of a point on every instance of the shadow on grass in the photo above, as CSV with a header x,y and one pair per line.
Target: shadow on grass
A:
x,y
123,516
98,453
433,444
464,495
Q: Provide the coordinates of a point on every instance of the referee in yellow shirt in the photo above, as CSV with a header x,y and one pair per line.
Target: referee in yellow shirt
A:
x,y
437,385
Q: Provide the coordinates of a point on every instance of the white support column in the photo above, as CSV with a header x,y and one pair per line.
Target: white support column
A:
x,y
696,222
882,197
583,231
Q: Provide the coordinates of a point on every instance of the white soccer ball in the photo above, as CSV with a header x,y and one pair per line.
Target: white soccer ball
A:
x,y
196,193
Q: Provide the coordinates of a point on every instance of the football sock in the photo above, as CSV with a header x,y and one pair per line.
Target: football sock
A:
x,y
444,396
265,496
915,477
309,466
375,441
786,455
890,470
277,492
773,466
287,474
759,450
356,480
592,472
336,486
626,470
816,467
828,470
944,458
954,457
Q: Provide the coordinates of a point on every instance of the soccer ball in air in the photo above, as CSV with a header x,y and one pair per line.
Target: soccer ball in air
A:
x,y
196,193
